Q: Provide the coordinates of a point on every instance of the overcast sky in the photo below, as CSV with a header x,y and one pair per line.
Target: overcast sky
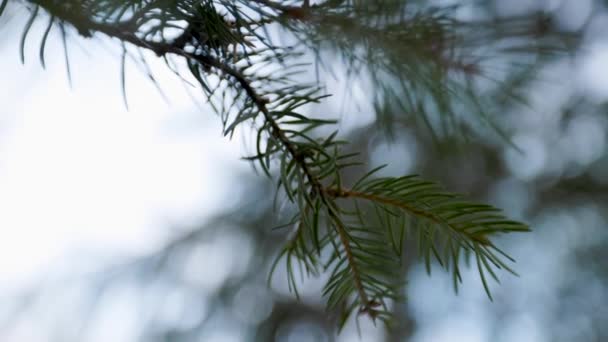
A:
x,y
79,172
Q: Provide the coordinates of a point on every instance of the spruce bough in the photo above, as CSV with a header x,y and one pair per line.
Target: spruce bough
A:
x,y
421,60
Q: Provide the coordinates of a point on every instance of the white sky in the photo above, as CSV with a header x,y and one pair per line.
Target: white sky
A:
x,y
79,172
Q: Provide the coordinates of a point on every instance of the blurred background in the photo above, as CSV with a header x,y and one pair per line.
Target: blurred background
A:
x,y
145,224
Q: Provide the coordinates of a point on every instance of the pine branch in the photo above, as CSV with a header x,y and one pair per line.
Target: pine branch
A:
x,y
226,53
352,263
436,218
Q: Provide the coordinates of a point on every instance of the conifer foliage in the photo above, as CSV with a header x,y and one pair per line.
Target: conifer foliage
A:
x,y
422,60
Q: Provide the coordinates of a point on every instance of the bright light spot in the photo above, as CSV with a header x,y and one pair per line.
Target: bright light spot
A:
x,y
361,328
427,308
181,308
572,15
399,154
522,327
252,304
585,139
301,331
593,74
116,319
223,334
212,262
456,328
512,196
530,161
